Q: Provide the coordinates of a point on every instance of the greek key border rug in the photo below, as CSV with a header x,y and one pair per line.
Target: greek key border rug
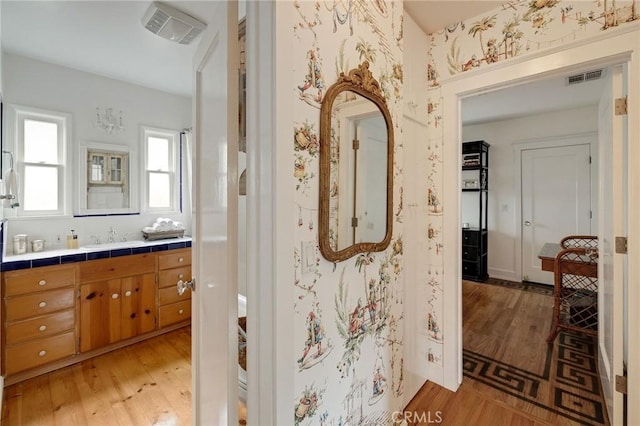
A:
x,y
568,385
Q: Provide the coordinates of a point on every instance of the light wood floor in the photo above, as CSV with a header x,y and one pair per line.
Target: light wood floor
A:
x,y
509,326
148,383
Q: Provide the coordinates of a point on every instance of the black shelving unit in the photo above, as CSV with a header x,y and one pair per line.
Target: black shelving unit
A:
x,y
475,187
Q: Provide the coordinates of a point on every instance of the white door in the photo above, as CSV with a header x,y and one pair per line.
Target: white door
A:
x,y
215,211
556,201
371,200
612,267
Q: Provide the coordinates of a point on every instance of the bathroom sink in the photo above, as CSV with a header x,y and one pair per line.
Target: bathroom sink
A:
x,y
114,245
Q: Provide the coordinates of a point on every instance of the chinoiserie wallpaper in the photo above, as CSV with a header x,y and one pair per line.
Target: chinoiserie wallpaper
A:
x,y
348,333
348,338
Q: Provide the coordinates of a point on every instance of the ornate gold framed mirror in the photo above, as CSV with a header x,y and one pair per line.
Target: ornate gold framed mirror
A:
x,y
356,167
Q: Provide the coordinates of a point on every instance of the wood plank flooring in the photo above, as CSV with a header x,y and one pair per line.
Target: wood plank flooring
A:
x,y
511,376
148,383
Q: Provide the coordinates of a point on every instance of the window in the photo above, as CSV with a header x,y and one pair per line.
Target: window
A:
x,y
161,167
41,139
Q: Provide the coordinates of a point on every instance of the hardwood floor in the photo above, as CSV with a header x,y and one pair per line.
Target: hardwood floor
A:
x,y
148,383
511,376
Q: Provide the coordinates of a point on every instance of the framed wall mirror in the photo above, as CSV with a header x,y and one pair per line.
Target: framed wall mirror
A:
x,y
356,167
105,182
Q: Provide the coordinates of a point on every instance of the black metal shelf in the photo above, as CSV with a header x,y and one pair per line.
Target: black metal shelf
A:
x,y
475,240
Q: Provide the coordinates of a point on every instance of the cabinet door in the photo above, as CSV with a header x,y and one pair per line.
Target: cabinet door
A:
x,y
100,314
97,167
116,169
138,305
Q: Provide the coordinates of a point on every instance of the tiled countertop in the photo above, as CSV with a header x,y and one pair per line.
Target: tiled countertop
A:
x,y
82,254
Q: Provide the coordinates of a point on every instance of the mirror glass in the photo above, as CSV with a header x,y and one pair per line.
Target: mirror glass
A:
x,y
355,168
359,209
105,180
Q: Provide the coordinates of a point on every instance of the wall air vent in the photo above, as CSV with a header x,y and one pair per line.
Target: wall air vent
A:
x,y
585,76
172,24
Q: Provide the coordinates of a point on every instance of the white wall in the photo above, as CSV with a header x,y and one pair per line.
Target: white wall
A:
x,y
29,82
501,135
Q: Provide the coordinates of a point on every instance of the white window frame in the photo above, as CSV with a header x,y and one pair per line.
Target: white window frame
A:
x,y
174,164
16,115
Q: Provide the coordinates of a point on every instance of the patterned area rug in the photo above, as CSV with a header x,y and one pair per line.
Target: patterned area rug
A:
x,y
568,386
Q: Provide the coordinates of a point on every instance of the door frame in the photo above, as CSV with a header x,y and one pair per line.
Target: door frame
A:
x,y
621,46
214,335
590,138
270,353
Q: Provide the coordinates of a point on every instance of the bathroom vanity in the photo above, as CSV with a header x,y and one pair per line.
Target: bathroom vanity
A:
x,y
90,303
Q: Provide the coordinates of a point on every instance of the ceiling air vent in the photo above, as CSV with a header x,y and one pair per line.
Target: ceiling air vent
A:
x,y
172,24
586,76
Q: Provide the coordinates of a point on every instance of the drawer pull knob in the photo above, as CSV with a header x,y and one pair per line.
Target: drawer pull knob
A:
x,y
114,296
181,260
42,327
127,293
42,304
181,311
42,353
181,276
42,282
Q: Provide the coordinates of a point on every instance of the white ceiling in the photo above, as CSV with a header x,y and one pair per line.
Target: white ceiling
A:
x,y
107,38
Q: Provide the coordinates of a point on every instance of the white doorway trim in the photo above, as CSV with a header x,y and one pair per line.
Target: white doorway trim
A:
x,y
620,46
270,354
590,138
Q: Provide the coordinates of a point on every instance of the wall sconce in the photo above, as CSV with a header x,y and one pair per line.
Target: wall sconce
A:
x,y
109,122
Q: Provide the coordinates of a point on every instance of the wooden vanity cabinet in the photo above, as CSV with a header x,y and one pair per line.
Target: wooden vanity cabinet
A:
x,y
173,308
39,316
117,300
54,316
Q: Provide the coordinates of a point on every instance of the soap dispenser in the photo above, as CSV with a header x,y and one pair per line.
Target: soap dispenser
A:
x,y
72,240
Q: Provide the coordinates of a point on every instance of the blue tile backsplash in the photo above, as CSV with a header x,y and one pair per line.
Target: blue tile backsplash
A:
x,y
93,255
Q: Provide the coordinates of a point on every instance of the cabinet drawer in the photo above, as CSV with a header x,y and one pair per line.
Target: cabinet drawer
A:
x,y
32,280
469,253
43,326
174,259
169,277
170,295
176,312
32,305
470,268
38,352
470,237
116,267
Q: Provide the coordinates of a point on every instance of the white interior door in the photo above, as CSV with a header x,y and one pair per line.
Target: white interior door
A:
x,y
215,221
556,201
371,201
612,267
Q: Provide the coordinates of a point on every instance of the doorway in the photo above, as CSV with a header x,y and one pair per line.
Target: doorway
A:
x,y
502,76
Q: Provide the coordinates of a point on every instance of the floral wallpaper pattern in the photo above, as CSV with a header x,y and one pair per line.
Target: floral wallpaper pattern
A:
x,y
348,316
519,27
